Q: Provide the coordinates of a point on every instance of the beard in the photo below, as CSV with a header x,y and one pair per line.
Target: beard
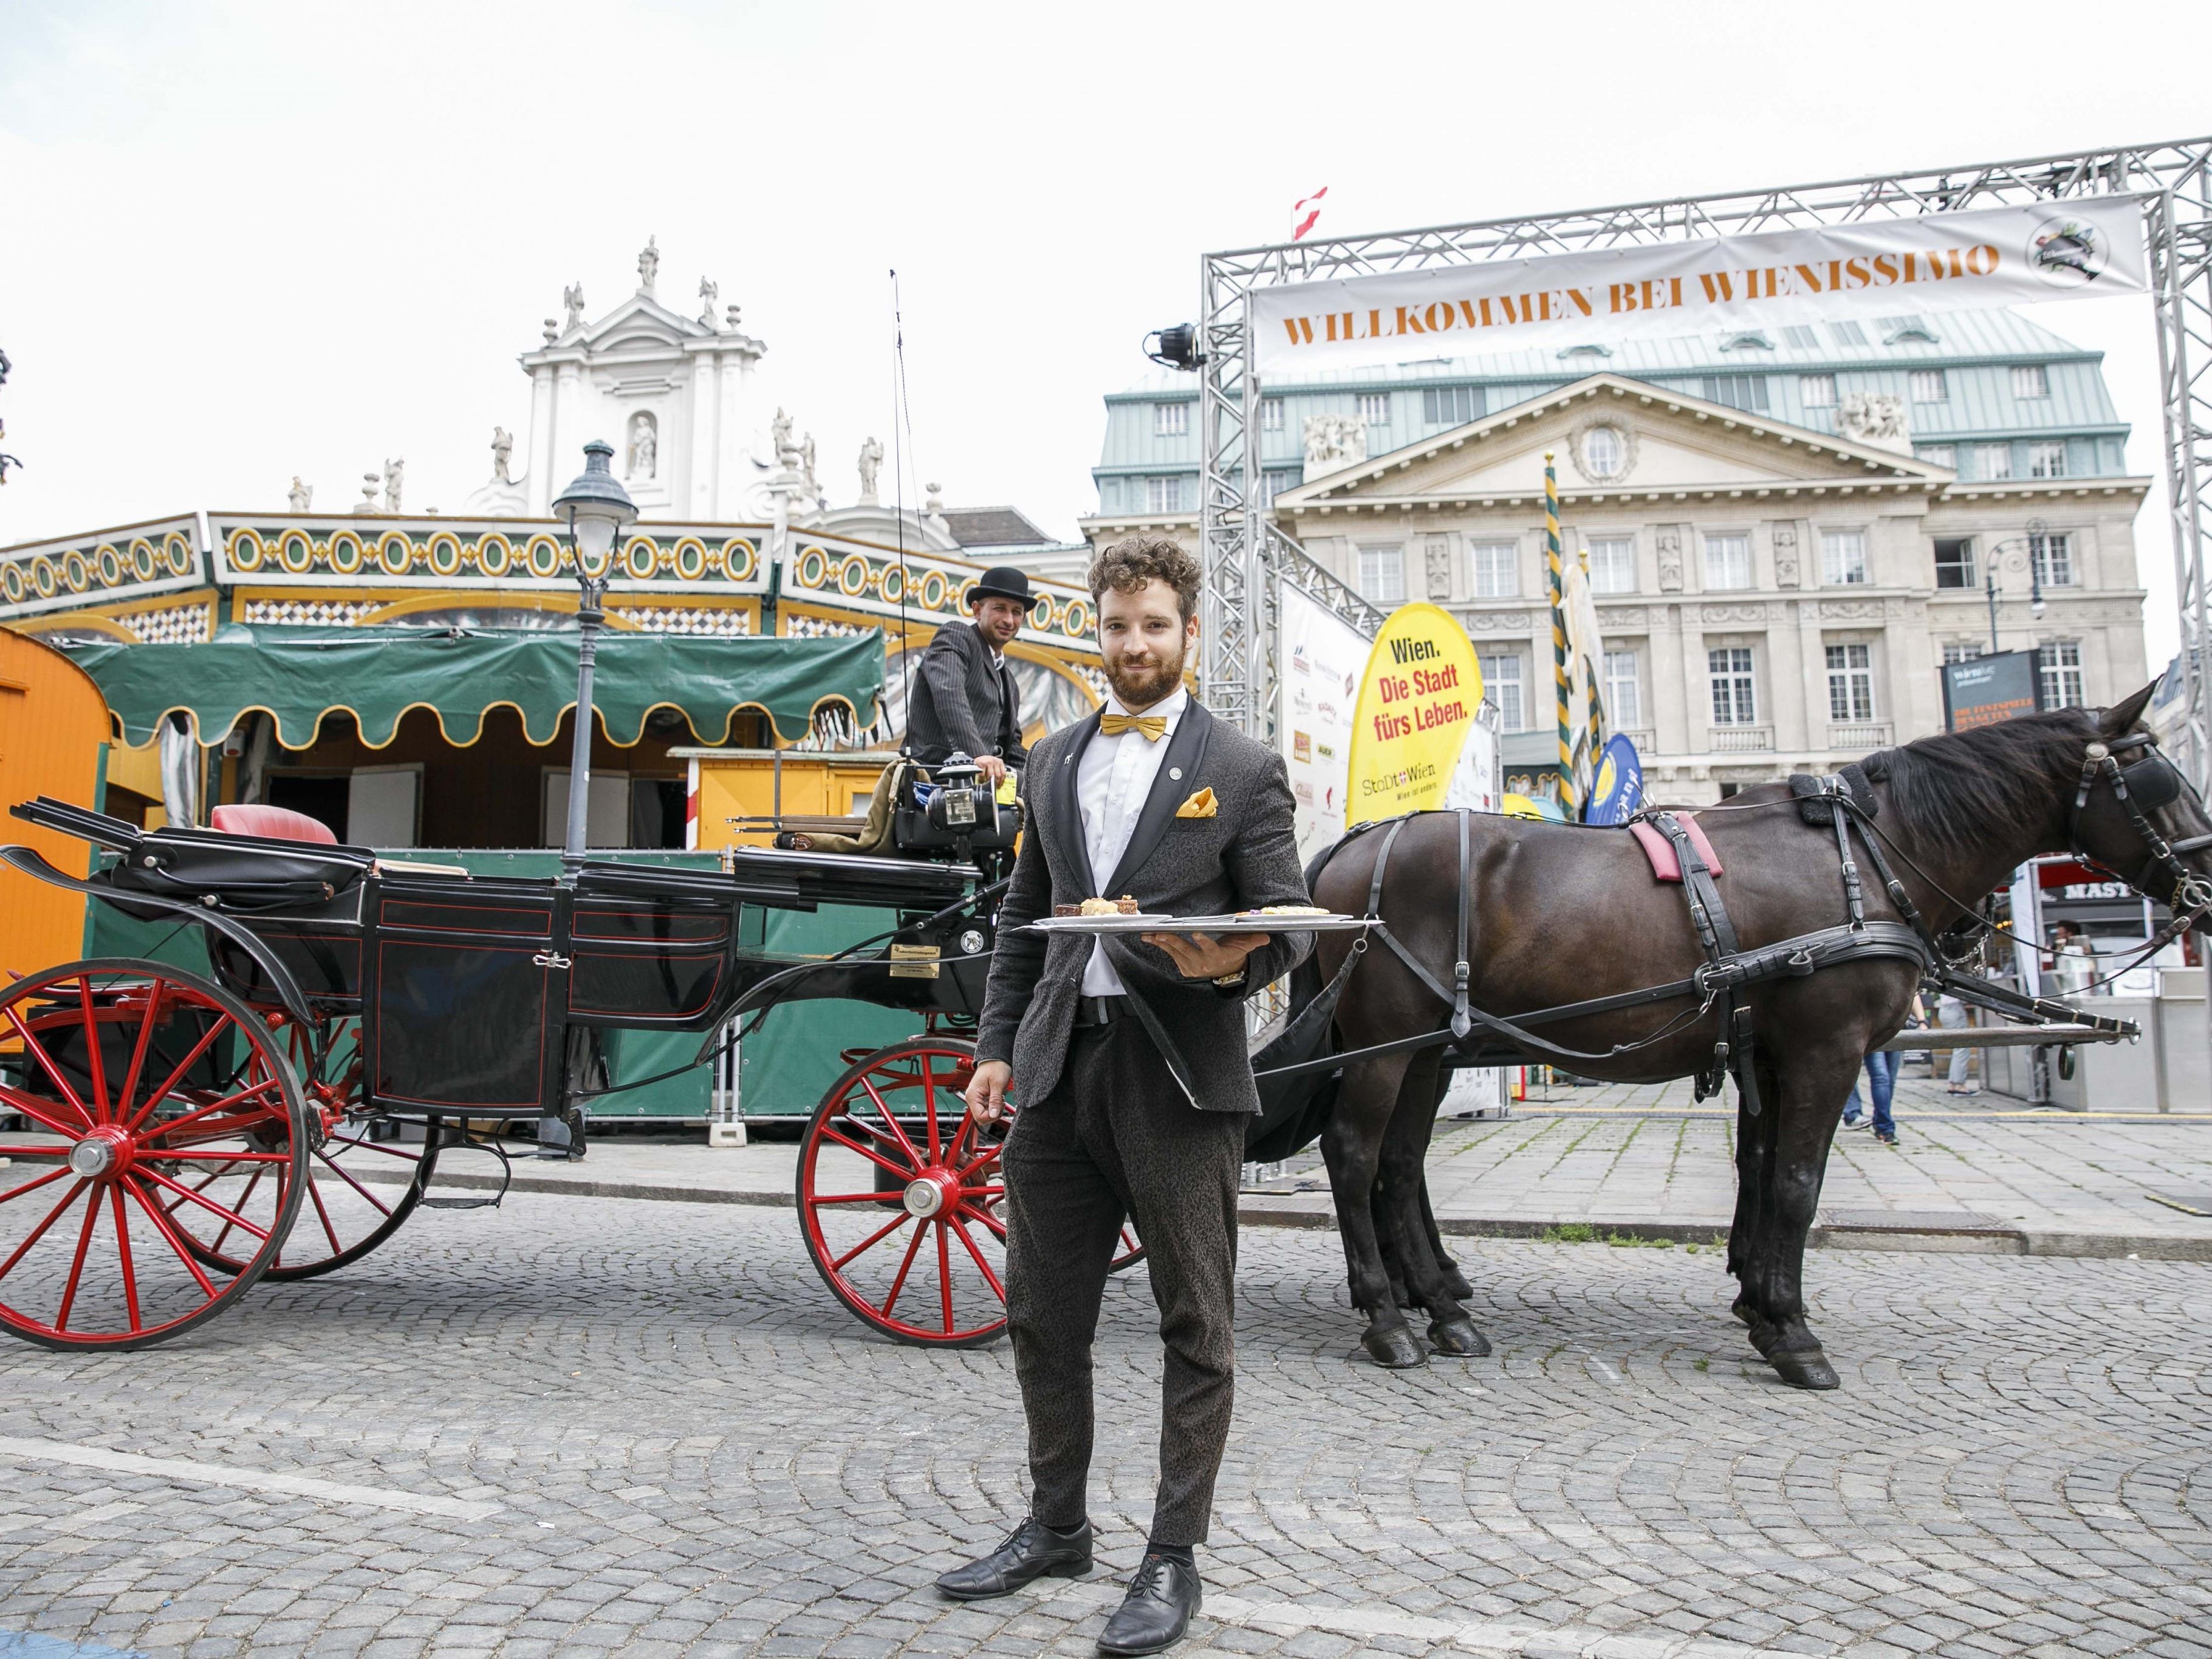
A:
x,y
1139,685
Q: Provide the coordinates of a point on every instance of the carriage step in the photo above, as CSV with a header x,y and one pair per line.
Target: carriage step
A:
x,y
465,1203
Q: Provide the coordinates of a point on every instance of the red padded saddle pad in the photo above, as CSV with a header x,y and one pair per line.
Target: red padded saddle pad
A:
x,y
1661,851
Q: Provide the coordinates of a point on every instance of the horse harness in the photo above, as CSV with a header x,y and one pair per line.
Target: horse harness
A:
x,y
1843,799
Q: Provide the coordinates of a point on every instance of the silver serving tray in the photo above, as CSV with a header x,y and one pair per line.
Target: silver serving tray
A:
x,y
1209,924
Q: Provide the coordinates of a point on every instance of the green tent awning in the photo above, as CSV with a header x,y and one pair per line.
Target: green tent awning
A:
x,y
297,675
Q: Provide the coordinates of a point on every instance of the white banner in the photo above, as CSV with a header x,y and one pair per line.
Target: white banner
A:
x,y
2005,256
1322,658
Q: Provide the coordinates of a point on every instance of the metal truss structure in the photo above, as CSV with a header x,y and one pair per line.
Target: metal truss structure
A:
x,y
1247,558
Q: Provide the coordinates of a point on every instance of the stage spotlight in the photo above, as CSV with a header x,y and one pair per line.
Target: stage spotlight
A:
x,y
1174,348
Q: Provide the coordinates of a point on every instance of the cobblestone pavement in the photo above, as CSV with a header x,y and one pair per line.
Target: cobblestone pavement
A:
x,y
586,1426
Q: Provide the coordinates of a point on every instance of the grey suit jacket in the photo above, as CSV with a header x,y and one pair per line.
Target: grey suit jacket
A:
x,y
964,701
1245,857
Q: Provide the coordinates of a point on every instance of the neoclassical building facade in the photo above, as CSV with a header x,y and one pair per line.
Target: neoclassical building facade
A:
x,y
1782,563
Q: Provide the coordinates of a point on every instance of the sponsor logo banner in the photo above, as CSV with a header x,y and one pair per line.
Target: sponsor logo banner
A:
x,y
1878,268
1417,701
1983,690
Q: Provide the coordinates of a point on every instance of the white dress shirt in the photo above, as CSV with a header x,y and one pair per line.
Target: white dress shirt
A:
x,y
1112,782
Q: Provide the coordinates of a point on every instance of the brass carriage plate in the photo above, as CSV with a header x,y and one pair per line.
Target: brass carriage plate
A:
x,y
913,961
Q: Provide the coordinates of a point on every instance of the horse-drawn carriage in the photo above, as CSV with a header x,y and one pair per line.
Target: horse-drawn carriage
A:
x,y
283,1114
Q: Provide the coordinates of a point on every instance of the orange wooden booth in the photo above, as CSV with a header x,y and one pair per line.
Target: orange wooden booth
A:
x,y
52,723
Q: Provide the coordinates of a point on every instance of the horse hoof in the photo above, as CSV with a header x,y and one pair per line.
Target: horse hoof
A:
x,y
1457,1338
1393,1350
1805,1368
1742,1310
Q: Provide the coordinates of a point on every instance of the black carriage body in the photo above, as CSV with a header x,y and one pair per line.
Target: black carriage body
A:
x,y
466,988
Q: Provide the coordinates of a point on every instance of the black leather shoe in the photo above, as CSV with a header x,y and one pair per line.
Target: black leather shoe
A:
x,y
1163,1598
1031,1550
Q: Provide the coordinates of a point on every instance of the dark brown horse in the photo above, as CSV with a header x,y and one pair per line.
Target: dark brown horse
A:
x,y
1561,914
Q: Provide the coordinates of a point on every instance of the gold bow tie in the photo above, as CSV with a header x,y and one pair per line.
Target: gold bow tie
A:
x,y
1154,726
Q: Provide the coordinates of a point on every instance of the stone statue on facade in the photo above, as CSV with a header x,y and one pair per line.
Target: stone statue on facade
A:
x,y
502,452
1670,560
787,452
572,301
1439,563
709,292
1786,555
648,266
644,446
1872,417
395,478
1334,440
871,466
302,497
806,466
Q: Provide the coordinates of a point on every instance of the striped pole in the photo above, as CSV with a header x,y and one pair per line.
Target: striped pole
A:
x,y
1555,586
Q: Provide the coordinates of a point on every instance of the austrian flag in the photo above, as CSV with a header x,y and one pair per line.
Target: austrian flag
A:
x,y
1307,209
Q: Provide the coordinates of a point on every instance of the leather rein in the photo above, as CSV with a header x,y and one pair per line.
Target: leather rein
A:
x,y
1728,969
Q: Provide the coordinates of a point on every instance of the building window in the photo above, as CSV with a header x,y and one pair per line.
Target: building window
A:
x,y
1801,336
1496,570
1382,574
1450,406
1613,564
1605,456
1818,390
2047,460
1375,407
1960,651
1850,681
1993,460
1897,328
1501,681
1930,385
1624,690
1735,703
1273,484
1842,557
1170,419
1727,561
2030,381
1745,391
1939,454
1954,561
2054,559
1166,494
1270,414
1847,333
2059,662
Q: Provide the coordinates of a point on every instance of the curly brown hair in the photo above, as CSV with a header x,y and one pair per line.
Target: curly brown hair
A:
x,y
1133,561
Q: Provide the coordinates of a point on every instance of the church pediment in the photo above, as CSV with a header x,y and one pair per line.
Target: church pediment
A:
x,y
641,322
1609,434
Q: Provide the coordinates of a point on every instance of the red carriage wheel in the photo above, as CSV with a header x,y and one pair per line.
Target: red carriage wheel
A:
x,y
360,1189
150,1093
899,1197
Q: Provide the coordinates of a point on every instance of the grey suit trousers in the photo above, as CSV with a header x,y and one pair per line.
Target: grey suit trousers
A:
x,y
1115,1137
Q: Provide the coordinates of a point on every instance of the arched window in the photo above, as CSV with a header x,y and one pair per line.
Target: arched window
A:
x,y
1602,452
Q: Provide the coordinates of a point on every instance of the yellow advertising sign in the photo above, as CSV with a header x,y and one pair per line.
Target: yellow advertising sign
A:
x,y
1416,703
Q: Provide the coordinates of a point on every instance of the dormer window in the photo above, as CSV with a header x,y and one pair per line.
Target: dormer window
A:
x,y
1749,339
1906,330
1583,353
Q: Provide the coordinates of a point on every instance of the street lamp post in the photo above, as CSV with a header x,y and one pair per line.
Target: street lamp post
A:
x,y
2037,530
596,508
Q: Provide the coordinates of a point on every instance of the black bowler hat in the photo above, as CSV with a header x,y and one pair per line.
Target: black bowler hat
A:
x,y
1002,582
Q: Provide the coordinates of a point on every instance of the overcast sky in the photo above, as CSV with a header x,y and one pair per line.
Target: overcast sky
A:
x,y
247,240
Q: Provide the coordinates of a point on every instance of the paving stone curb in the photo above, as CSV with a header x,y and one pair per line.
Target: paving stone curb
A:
x,y
1314,1212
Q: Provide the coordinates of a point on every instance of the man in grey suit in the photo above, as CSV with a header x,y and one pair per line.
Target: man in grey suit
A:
x,y
1129,1056
964,695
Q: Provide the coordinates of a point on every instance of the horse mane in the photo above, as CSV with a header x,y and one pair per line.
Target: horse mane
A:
x,y
1955,786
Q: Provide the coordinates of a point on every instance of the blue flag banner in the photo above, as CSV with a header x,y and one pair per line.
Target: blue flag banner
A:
x,y
1619,788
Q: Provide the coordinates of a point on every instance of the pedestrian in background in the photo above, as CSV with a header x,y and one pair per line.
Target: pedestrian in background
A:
x,y
1881,1084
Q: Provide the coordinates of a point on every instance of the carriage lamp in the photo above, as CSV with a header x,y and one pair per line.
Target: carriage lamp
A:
x,y
596,508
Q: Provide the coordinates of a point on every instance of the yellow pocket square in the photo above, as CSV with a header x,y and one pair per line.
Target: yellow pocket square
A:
x,y
1199,805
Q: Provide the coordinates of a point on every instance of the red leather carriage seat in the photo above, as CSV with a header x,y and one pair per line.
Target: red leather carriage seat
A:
x,y
275,823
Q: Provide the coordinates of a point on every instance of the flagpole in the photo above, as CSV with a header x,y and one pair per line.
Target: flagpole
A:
x,y
1555,586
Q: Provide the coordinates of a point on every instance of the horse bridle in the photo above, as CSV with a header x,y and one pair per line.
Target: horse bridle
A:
x,y
2141,787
